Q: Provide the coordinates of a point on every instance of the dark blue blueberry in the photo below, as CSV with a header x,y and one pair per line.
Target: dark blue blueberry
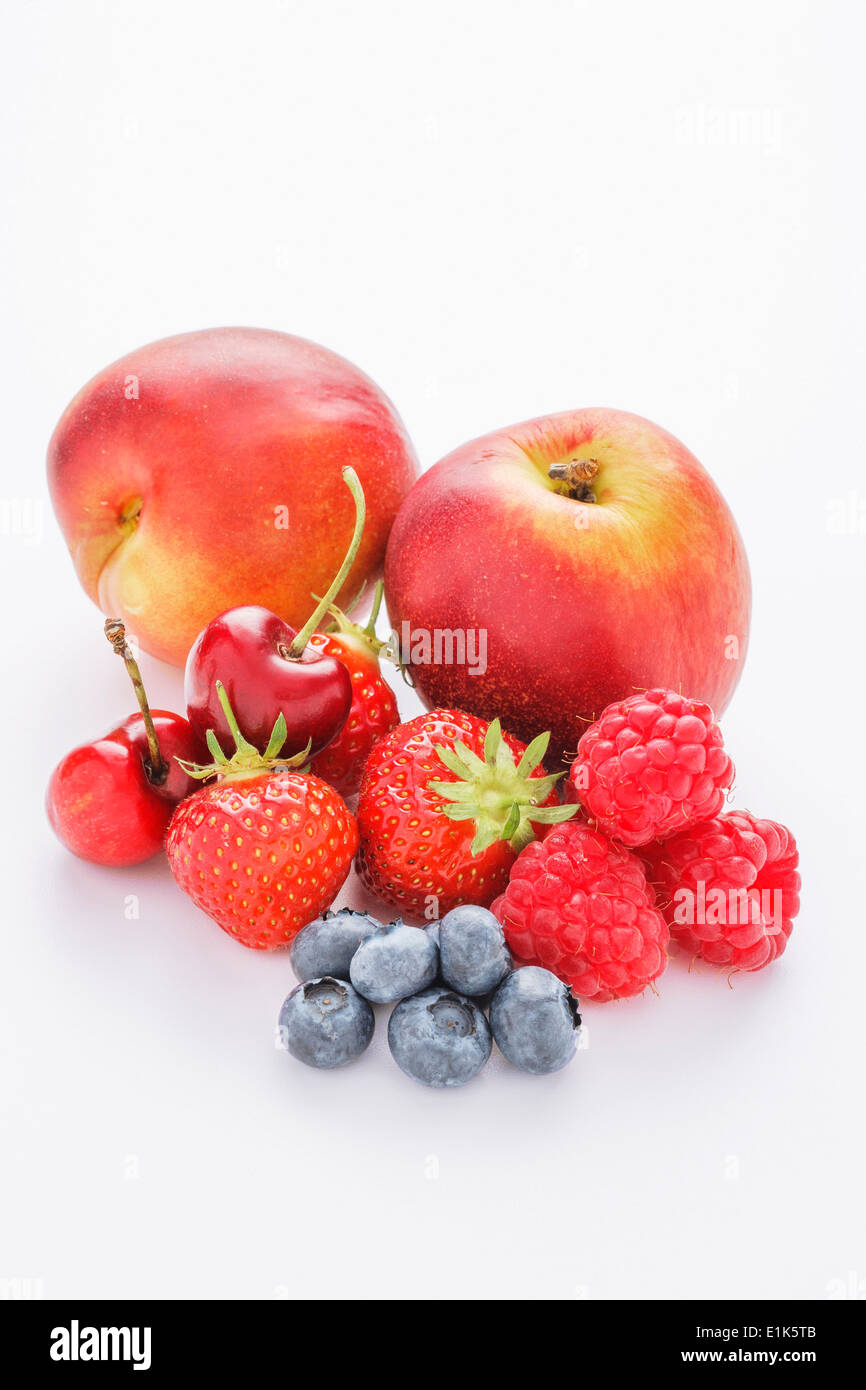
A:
x,y
325,1023
474,956
535,1020
439,1038
394,962
326,946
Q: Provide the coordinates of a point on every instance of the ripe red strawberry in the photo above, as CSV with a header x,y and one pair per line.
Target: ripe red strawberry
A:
x,y
265,849
433,840
729,889
374,706
649,766
580,905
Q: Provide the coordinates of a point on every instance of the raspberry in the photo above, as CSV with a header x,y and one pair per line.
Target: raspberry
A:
x,y
650,766
729,889
582,907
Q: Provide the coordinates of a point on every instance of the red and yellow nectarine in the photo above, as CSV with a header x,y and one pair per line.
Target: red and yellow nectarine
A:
x,y
204,471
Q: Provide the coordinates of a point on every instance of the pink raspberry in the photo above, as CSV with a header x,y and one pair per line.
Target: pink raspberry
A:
x,y
581,906
729,889
650,766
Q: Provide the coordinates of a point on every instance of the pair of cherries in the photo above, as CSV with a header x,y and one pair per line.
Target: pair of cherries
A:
x,y
110,801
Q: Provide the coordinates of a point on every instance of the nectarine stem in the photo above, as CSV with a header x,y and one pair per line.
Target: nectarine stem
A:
x,y
353,483
115,631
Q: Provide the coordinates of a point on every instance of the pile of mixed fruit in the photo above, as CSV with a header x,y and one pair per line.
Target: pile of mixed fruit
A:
x,y
530,899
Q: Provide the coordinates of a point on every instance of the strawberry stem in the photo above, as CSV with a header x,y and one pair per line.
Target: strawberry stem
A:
x,y
246,761
341,624
500,798
157,767
241,744
353,483
370,629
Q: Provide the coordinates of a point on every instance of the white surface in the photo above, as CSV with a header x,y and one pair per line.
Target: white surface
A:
x,y
496,210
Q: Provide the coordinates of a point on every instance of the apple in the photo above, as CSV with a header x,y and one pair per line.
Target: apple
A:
x,y
203,472
540,572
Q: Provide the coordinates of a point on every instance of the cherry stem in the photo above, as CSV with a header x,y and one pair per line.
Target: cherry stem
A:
x,y
300,640
116,634
370,629
353,483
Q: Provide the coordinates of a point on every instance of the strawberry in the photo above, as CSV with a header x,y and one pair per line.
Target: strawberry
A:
x,y
429,840
265,848
374,707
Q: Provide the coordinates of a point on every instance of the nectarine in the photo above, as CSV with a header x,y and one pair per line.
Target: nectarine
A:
x,y
204,471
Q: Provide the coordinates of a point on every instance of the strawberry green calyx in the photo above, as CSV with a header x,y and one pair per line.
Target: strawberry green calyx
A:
x,y
500,796
246,761
342,625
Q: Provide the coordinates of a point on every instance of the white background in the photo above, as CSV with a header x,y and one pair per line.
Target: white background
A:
x,y
497,210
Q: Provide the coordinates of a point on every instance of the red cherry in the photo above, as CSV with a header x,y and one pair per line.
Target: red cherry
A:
x,y
110,801
248,650
102,803
268,669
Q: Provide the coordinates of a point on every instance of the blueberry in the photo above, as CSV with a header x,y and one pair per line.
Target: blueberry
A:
x,y
433,932
439,1038
474,956
394,962
535,1020
326,946
325,1023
